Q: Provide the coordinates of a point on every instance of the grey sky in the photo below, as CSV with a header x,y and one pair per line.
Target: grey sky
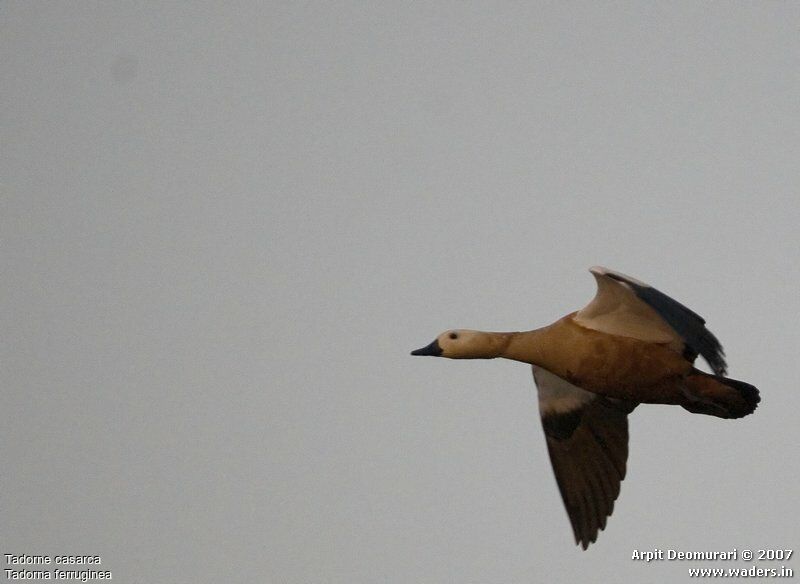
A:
x,y
224,227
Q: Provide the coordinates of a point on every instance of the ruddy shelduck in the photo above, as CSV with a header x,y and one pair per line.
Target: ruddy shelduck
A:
x,y
631,344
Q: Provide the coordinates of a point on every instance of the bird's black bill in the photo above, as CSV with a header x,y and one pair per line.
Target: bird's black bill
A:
x,y
433,350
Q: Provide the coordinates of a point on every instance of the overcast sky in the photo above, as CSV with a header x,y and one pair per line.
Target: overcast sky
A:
x,y
224,227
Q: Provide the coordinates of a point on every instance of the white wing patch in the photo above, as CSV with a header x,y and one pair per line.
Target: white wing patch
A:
x,y
557,396
617,310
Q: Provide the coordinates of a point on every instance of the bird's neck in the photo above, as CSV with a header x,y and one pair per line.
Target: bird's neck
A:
x,y
526,346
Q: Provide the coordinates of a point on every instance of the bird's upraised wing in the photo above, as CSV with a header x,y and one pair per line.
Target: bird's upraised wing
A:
x,y
627,307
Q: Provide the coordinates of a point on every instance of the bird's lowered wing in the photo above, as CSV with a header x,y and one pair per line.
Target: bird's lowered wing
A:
x,y
627,307
587,439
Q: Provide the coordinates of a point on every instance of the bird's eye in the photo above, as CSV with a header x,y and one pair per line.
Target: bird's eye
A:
x,y
453,336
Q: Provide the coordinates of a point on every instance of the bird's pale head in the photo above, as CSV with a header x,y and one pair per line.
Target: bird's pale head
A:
x,y
462,344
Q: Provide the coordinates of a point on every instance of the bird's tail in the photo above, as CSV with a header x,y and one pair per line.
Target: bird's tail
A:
x,y
719,396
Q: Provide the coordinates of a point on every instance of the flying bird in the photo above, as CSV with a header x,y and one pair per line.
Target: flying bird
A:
x,y
631,344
